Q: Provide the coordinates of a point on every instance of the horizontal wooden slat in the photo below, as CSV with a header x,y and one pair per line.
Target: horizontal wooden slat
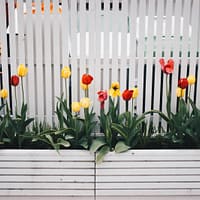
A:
x,y
149,164
40,192
46,165
47,178
47,186
152,155
143,186
30,171
46,155
117,172
151,192
47,197
148,178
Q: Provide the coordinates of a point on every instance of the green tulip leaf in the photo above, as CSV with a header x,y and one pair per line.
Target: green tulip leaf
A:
x,y
121,147
101,154
63,142
96,144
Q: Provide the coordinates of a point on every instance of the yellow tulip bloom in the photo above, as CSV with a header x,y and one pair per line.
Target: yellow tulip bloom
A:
x,y
76,106
22,70
180,92
191,79
4,93
85,102
84,86
114,90
115,85
65,72
135,93
114,93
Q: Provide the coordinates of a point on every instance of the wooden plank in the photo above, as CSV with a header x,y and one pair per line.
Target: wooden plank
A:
x,y
47,197
149,197
141,61
47,186
185,39
152,171
164,192
47,25
42,193
39,61
157,186
32,171
30,35
3,40
50,178
147,179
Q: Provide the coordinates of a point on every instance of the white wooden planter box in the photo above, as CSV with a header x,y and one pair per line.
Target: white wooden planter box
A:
x,y
136,174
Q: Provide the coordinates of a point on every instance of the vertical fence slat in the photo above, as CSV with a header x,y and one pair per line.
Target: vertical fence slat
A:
x,y
185,38
31,60
194,40
73,49
176,47
141,61
48,62
149,54
39,61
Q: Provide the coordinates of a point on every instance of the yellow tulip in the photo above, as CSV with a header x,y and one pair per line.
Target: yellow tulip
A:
x,y
135,93
84,86
65,72
4,93
76,106
22,70
180,92
114,93
85,102
115,86
191,79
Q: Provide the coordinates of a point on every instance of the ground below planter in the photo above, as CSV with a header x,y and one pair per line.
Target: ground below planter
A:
x,y
73,174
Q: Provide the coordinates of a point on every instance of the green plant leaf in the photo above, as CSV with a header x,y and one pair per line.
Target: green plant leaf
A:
x,y
121,147
61,141
101,154
64,130
96,144
120,129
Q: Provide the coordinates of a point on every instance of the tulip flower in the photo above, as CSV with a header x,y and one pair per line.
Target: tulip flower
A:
x,y
87,79
84,86
191,79
115,89
65,72
183,83
22,70
102,97
3,93
127,95
135,93
180,92
14,80
76,106
85,102
168,67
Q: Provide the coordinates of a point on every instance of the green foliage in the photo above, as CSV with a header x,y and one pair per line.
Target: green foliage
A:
x,y
14,130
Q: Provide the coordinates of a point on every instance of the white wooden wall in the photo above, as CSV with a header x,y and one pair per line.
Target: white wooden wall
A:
x,y
104,38
73,174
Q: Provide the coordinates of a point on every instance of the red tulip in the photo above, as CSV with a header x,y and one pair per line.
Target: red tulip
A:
x,y
102,97
127,95
87,79
14,80
167,68
183,83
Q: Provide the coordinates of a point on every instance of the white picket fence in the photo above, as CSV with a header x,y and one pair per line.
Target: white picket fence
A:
x,y
114,40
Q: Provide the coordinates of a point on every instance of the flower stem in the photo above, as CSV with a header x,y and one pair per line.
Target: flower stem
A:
x,y
16,100
66,90
22,89
132,107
